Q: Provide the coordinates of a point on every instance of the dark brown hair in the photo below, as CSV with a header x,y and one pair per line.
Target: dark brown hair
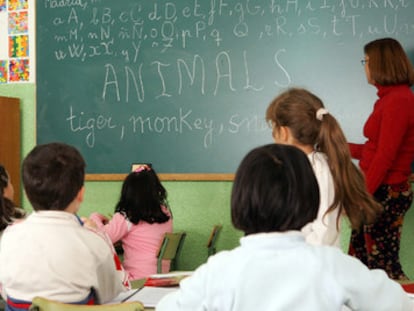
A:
x,y
274,190
8,210
142,197
53,174
388,63
296,109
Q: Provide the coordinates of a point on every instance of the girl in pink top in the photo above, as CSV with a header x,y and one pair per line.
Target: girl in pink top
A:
x,y
141,218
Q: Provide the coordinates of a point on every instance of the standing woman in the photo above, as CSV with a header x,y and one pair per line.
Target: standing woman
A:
x,y
387,154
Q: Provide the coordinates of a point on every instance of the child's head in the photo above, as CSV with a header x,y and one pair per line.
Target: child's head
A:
x,y
274,190
6,187
301,112
142,196
53,175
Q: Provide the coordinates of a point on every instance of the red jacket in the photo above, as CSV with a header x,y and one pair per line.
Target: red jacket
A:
x,y
386,156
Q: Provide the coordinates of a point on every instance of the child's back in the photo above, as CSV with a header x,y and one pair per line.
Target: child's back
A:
x,y
299,118
282,272
140,242
141,218
50,253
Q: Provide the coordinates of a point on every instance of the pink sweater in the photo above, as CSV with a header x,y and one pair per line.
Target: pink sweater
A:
x,y
140,242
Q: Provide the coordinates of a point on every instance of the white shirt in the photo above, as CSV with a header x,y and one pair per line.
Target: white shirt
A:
x,y
50,254
280,271
323,230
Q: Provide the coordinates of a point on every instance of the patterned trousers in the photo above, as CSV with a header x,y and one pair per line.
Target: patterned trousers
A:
x,y
378,245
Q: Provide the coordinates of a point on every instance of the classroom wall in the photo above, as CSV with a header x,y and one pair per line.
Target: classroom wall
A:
x,y
196,205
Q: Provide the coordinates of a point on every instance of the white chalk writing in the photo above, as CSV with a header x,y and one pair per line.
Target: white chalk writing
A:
x,y
181,59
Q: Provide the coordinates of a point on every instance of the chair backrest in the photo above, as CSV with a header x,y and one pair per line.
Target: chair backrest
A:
x,y
44,304
211,243
170,249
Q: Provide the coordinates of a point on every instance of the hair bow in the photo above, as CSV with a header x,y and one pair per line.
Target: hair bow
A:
x,y
141,168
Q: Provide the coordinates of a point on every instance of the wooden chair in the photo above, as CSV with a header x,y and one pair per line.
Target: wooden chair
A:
x,y
44,304
170,249
211,243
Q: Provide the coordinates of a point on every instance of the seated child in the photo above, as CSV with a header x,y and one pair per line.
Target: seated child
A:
x,y
9,212
50,253
275,193
141,218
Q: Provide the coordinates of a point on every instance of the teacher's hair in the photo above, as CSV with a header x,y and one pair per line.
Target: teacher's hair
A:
x,y
274,190
388,63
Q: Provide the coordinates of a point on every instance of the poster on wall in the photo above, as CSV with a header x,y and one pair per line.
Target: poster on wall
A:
x,y
17,59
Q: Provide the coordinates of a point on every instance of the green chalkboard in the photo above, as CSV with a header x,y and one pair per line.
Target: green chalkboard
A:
x,y
184,84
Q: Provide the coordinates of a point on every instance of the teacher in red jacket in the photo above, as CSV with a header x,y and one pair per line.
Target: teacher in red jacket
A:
x,y
386,156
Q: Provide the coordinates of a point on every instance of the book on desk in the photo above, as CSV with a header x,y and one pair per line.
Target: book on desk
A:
x,y
408,288
167,279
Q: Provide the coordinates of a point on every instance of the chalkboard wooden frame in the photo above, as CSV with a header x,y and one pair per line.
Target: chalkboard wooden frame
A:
x,y
164,177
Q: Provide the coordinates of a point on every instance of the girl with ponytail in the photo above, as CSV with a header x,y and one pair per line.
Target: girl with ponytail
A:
x,y
299,118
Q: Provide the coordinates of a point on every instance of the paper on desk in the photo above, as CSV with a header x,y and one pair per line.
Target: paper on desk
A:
x,y
171,274
123,296
150,296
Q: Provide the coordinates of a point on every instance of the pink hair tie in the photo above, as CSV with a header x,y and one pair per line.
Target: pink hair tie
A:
x,y
142,168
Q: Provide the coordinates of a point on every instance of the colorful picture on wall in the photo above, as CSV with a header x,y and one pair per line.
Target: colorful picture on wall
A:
x,y
15,5
3,5
19,70
18,22
18,46
3,71
16,37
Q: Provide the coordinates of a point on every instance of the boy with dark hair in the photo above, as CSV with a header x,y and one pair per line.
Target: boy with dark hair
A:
x,y
50,254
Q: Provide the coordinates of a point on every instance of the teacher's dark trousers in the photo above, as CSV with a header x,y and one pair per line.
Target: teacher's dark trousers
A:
x,y
378,245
